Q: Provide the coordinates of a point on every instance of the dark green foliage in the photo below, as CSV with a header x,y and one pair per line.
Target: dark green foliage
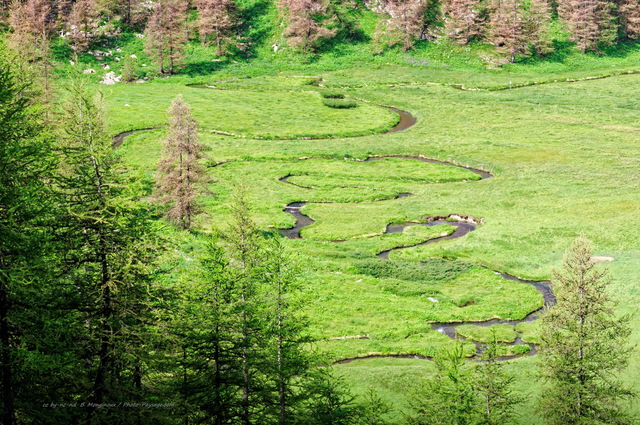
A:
x,y
29,354
449,397
374,409
430,270
332,95
340,103
493,385
331,402
584,346
244,356
107,258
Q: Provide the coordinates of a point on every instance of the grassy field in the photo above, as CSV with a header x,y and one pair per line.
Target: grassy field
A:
x,y
565,159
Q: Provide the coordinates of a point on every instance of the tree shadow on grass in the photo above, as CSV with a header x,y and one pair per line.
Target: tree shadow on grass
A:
x,y
195,69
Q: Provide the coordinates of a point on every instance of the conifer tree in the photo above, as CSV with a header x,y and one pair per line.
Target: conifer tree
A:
x,y
81,23
290,361
306,23
210,375
108,258
405,22
463,21
536,19
507,29
167,33
629,12
494,387
584,346
179,172
216,19
32,28
590,22
25,289
448,398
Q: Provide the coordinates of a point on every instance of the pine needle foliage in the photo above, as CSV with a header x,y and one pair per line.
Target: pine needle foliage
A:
x,y
584,346
179,172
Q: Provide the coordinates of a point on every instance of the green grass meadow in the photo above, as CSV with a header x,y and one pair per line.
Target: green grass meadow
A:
x,y
565,160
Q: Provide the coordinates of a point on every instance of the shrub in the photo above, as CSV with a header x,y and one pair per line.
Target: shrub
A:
x,y
332,95
340,103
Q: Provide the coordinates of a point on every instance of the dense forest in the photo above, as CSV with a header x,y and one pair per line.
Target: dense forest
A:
x,y
109,314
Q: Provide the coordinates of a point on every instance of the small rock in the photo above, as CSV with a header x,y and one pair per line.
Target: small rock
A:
x,y
105,66
117,59
433,300
140,35
89,71
126,104
72,63
110,78
133,57
144,64
359,280
119,50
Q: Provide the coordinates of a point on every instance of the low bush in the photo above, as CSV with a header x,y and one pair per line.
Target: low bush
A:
x,y
332,95
340,103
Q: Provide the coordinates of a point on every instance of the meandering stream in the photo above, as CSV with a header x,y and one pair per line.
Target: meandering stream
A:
x,y
463,226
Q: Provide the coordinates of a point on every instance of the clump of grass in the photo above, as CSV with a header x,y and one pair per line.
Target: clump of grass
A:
x,y
340,103
431,270
332,95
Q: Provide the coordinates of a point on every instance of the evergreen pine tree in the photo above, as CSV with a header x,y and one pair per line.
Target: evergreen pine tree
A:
x,y
108,257
584,346
449,397
494,387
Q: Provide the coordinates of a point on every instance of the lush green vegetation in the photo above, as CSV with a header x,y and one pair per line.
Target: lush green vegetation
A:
x,y
559,135
563,157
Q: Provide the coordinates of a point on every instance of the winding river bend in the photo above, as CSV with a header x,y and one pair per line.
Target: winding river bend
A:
x,y
463,225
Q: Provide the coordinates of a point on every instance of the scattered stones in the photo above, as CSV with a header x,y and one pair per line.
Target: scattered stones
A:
x,y
110,78
140,35
105,66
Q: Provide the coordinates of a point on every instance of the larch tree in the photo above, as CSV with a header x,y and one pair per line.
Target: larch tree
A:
x,y
180,175
25,285
166,33
131,12
32,27
108,260
307,20
494,386
629,12
405,22
81,23
536,19
462,21
506,28
584,346
217,21
448,398
590,22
